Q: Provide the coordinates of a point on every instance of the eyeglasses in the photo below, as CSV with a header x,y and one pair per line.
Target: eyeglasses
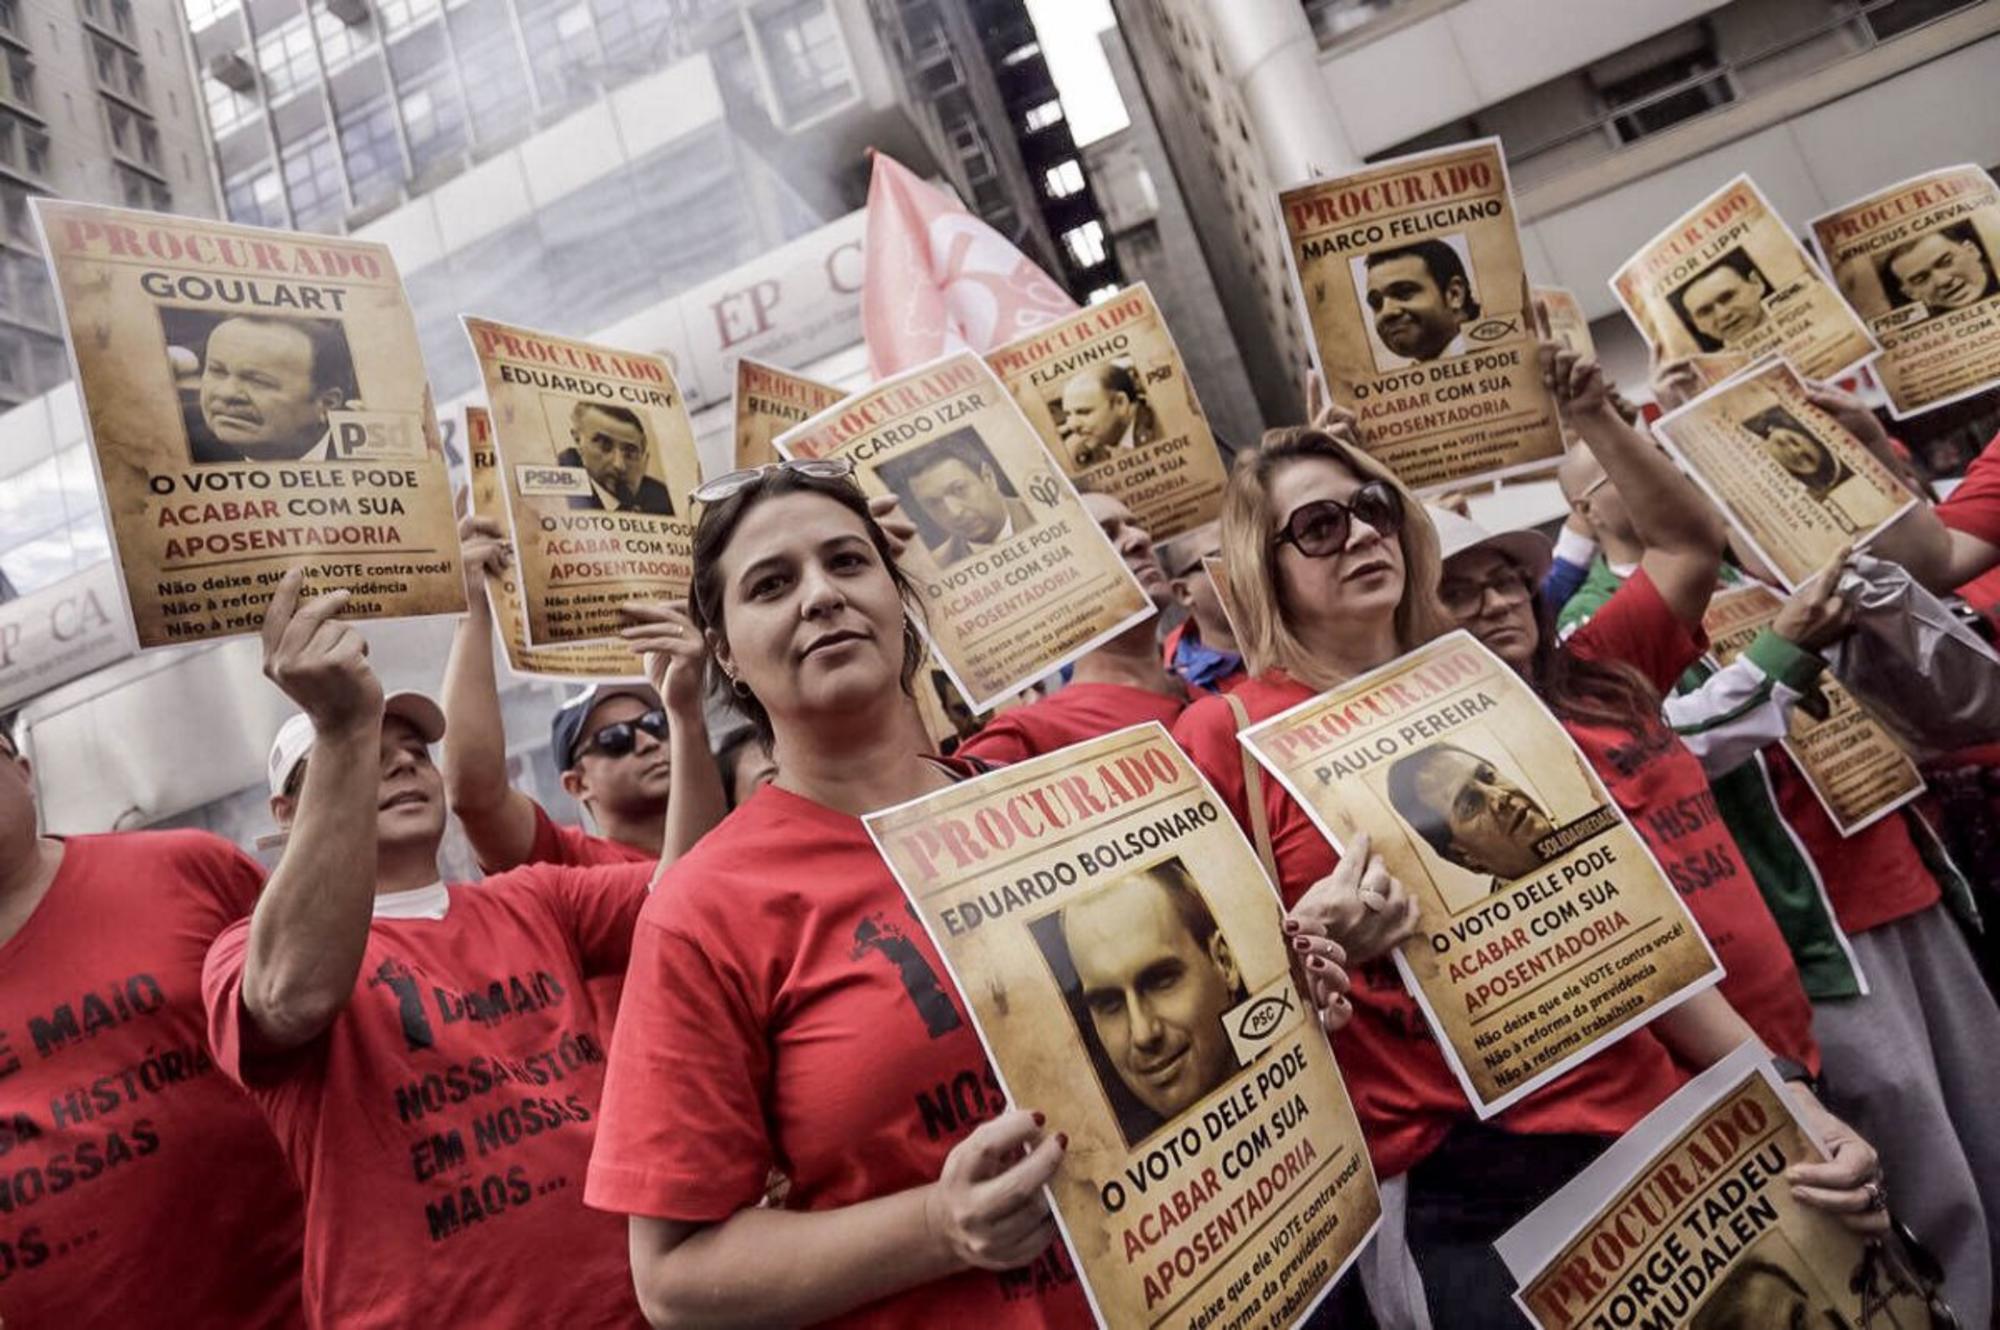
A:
x,y
1320,528
621,737
814,468
1464,596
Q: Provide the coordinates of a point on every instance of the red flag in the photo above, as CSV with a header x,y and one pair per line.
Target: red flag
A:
x,y
938,279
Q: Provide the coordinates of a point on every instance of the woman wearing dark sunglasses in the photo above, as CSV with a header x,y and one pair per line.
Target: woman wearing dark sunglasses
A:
x,y
1333,570
784,1010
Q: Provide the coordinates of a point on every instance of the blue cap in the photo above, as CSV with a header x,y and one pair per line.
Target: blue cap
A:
x,y
566,726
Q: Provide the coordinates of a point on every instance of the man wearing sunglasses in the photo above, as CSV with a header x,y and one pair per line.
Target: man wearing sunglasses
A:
x,y
1201,648
113,1116
637,762
429,1056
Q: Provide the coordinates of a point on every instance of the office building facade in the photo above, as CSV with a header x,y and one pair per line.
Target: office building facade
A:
x,y
95,103
1614,117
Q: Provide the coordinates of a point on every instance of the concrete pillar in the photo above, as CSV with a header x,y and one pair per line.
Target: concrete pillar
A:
x,y
1268,50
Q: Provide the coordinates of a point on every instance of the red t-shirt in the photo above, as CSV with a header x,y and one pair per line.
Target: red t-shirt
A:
x,y
560,843
1974,507
1403,1089
1873,877
784,1008
136,1182
1070,715
442,1125
1663,790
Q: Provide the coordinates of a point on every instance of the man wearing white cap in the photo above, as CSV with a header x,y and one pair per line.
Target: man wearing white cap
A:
x,y
635,759
430,1057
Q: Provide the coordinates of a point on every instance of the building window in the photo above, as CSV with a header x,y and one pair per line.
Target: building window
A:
x,y
340,43
201,13
1044,115
313,183
804,59
562,48
625,25
17,80
133,186
490,69
104,59
227,108
1085,244
255,197
434,120
1896,17
397,15
119,122
14,217
368,142
1689,83
286,57
1063,179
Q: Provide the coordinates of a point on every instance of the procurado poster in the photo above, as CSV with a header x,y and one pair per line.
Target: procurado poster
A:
x,y
1016,578
256,402
1547,928
1416,298
1216,1173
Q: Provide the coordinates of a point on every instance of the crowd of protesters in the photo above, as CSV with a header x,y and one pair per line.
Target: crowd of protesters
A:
x,y
704,1042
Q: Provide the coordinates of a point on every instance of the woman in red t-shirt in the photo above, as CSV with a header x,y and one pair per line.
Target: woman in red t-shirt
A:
x,y
785,1013
1333,571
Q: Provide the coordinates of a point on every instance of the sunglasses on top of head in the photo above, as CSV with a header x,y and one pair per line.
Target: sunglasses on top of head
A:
x,y
735,482
1320,529
621,737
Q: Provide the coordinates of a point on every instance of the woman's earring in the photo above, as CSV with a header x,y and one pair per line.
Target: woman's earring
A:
x,y
738,687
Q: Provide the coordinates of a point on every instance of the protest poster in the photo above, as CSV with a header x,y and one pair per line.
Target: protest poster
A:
x,y
1688,1221
1728,275
770,401
1710,370
1015,577
1916,260
1855,767
256,403
596,459
1546,928
585,660
1416,306
1108,392
1567,322
1789,476
1216,1172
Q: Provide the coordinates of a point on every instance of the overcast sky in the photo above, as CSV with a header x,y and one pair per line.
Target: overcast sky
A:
x,y
1068,31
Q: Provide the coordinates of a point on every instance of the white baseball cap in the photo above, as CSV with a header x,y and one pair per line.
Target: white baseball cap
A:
x,y
295,736
1532,550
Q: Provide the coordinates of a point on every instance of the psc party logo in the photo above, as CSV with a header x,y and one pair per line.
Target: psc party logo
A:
x,y
1268,1014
